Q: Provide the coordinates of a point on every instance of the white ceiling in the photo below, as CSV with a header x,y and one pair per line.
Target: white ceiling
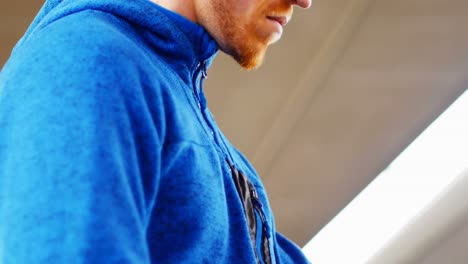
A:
x,y
351,84
437,234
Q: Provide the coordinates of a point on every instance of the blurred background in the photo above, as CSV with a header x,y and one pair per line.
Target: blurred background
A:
x,y
351,84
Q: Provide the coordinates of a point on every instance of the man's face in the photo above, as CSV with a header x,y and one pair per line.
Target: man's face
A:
x,y
245,28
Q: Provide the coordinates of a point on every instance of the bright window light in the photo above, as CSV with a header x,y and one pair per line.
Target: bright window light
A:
x,y
398,194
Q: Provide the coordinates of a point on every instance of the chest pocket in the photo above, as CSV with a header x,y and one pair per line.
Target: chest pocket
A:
x,y
259,231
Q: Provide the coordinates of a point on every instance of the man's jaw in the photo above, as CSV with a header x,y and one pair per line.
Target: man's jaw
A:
x,y
253,53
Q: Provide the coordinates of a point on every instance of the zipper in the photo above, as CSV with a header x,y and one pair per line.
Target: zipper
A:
x,y
261,240
266,238
250,196
200,74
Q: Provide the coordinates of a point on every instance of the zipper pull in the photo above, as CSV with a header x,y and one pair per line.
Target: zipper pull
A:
x,y
203,69
198,82
204,75
253,191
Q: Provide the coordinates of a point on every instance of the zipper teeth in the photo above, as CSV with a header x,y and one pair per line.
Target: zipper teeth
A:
x,y
257,204
197,82
265,237
259,207
201,67
203,76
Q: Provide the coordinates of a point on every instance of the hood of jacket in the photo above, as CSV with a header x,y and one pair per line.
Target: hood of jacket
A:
x,y
183,44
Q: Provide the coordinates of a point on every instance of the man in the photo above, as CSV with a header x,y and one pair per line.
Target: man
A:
x,y
108,152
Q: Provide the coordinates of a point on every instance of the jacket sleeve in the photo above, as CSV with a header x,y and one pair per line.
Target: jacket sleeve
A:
x,y
288,252
79,161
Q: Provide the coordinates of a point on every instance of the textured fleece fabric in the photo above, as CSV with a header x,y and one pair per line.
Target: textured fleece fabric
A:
x,y
108,153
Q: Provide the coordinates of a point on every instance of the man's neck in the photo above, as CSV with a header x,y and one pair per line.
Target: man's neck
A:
x,y
184,8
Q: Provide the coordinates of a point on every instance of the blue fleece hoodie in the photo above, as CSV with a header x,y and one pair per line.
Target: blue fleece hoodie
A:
x,y
108,153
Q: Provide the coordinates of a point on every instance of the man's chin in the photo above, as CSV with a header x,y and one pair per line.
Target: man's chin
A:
x,y
248,53
251,59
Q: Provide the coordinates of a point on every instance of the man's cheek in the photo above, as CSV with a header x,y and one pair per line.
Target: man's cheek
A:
x,y
245,8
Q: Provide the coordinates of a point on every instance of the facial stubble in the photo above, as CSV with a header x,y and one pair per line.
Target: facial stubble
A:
x,y
235,39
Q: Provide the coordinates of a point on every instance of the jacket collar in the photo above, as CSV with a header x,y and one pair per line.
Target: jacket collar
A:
x,y
182,43
189,44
